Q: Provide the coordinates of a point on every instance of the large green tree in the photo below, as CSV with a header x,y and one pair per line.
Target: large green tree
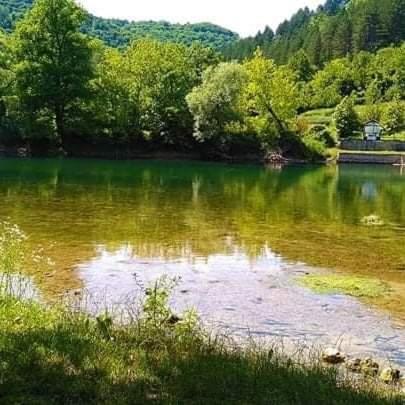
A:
x,y
6,73
216,103
271,96
54,60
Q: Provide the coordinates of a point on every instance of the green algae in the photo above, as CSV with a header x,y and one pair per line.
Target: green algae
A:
x,y
359,287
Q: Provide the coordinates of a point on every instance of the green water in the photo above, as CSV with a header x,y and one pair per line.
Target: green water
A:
x,y
186,211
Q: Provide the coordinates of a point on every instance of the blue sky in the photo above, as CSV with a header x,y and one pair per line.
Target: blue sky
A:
x,y
244,17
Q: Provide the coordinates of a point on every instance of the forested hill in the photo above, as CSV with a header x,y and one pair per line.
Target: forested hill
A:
x,y
337,28
119,33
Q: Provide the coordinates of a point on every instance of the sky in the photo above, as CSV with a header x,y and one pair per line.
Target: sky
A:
x,y
246,17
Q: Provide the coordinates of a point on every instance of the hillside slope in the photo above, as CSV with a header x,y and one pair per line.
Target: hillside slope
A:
x,y
337,28
119,33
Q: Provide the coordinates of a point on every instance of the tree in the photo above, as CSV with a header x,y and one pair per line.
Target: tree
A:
x,y
6,73
393,117
271,96
332,83
162,75
54,60
301,64
346,119
215,104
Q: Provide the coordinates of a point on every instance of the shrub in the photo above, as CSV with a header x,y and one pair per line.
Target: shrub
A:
x,y
393,117
315,149
323,134
371,112
302,147
346,119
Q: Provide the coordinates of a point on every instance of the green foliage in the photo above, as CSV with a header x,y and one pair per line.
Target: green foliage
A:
x,y
332,83
76,362
346,118
371,112
12,251
302,66
323,134
140,94
393,117
54,66
120,33
315,148
270,99
154,95
333,31
255,98
215,104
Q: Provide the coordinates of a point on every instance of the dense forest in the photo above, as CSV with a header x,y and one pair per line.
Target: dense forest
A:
x,y
65,91
336,29
119,33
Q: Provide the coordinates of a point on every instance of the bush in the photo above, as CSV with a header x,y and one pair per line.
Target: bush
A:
x,y
303,147
346,119
323,134
314,148
371,112
393,117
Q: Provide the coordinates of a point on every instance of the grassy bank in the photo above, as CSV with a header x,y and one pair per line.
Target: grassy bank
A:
x,y
55,356
324,116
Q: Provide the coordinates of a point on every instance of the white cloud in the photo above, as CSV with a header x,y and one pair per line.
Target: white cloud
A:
x,y
244,17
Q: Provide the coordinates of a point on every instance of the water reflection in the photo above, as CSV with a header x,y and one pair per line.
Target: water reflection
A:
x,y
179,211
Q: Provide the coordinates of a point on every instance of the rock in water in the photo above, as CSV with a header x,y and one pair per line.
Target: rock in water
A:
x,y
369,367
333,356
354,365
390,375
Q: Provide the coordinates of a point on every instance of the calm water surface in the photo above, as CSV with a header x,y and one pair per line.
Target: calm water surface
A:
x,y
239,236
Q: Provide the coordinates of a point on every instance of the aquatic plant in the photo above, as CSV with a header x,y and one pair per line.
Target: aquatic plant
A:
x,y
360,287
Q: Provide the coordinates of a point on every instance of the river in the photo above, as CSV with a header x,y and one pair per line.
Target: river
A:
x,y
239,237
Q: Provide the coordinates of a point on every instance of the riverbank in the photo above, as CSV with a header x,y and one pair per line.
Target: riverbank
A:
x,y
239,151
56,356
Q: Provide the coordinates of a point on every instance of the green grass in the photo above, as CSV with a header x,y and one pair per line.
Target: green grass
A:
x,y
51,356
324,116
349,285
321,116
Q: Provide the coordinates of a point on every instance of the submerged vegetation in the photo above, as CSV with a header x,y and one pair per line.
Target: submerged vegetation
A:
x,y
60,355
360,287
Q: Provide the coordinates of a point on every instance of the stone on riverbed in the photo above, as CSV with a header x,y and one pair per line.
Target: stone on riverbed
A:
x,y
368,367
354,365
390,375
333,356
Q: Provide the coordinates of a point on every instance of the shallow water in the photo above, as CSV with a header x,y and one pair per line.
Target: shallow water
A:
x,y
238,236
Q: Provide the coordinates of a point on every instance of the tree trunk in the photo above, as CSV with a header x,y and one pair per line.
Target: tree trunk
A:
x,y
60,124
278,121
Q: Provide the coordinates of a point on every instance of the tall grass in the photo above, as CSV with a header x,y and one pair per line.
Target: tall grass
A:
x,y
59,355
